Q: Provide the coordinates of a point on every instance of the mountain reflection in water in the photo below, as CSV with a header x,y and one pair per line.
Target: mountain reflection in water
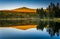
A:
x,y
41,30
25,27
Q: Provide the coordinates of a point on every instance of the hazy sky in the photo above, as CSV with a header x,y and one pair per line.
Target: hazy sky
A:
x,y
11,4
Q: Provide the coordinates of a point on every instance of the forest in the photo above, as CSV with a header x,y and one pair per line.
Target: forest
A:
x,y
51,13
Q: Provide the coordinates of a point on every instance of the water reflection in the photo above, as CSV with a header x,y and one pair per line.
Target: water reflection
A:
x,y
32,29
8,23
52,27
41,25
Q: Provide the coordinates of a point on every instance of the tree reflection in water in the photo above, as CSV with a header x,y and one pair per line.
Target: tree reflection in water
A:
x,y
53,28
41,25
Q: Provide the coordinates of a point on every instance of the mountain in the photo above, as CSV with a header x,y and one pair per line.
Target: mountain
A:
x,y
22,9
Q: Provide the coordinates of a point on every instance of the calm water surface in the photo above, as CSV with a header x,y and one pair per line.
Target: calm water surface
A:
x,y
41,31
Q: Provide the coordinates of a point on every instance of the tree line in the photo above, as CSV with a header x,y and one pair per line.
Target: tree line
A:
x,y
52,11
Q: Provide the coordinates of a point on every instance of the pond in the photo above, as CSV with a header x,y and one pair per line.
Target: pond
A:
x,y
41,30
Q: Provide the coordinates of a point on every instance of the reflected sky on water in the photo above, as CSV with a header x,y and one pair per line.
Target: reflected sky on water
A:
x,y
43,30
30,33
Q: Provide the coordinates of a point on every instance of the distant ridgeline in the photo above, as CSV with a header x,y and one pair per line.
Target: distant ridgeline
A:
x,y
18,13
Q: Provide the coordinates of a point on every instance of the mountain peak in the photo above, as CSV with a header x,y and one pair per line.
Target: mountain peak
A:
x,y
22,8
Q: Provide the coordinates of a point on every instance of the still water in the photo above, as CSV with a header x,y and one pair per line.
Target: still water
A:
x,y
42,30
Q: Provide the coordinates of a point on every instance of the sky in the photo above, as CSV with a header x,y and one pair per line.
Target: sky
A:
x,y
12,4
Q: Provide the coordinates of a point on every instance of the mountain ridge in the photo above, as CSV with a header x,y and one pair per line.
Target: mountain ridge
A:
x,y
22,9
